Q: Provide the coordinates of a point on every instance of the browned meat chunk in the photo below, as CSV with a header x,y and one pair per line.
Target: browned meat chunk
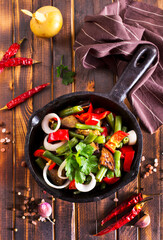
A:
x,y
69,121
107,159
87,131
54,177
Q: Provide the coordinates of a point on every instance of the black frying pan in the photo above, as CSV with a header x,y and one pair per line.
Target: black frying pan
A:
x,y
140,62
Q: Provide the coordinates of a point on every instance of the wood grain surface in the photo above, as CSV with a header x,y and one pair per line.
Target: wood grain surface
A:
x,y
74,221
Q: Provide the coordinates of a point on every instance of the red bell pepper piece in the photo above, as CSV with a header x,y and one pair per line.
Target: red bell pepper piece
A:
x,y
90,110
92,119
72,184
39,152
115,140
83,117
105,132
110,180
103,114
61,134
52,166
99,110
129,156
127,148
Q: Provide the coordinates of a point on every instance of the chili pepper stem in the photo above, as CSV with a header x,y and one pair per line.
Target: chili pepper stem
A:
x,y
35,62
21,40
4,108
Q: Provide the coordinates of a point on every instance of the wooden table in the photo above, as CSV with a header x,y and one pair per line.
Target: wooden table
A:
x,y
73,221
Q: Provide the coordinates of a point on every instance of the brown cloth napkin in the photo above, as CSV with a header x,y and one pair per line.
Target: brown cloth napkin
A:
x,y
110,38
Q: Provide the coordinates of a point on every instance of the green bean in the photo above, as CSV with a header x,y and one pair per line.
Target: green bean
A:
x,y
118,123
90,138
120,145
70,111
125,140
124,129
65,147
100,139
110,119
101,173
40,162
92,127
52,157
110,174
73,134
108,137
117,160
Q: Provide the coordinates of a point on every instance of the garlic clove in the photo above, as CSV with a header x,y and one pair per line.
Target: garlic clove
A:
x,y
143,222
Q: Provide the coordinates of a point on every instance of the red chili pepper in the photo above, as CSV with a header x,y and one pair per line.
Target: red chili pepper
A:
x,y
11,52
110,180
21,98
115,140
129,156
105,132
131,201
72,184
61,134
52,166
122,221
39,152
99,110
13,62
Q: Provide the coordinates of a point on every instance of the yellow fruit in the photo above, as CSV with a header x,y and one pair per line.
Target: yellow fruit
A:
x,y
46,22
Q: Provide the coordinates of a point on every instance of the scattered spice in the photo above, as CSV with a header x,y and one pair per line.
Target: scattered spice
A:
x,y
3,149
115,200
143,158
23,164
21,98
3,130
154,170
19,193
34,222
15,230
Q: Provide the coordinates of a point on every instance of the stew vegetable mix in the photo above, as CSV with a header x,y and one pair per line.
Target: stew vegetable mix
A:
x,y
84,147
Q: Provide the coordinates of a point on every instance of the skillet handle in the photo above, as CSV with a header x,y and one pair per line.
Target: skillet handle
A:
x,y
133,72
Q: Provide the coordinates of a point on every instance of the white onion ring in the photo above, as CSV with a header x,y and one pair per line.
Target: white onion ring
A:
x,y
132,136
45,123
86,187
51,184
60,169
50,146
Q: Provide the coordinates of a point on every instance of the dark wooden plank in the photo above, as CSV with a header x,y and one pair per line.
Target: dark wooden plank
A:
x,y
6,173
152,185
99,80
64,212
22,83
42,73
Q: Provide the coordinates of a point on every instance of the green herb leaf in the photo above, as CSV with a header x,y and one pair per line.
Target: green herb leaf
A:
x,y
64,73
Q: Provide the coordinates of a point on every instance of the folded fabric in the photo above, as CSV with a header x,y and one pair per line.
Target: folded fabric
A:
x,y
110,38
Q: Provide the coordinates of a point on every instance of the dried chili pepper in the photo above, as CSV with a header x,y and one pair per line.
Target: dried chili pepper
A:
x,y
131,201
21,98
11,52
13,62
125,219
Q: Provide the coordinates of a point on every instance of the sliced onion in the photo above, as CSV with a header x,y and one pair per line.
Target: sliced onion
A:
x,y
45,123
50,146
132,137
86,187
51,184
60,169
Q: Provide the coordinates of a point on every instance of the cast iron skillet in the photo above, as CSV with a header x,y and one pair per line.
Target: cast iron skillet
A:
x,y
140,62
